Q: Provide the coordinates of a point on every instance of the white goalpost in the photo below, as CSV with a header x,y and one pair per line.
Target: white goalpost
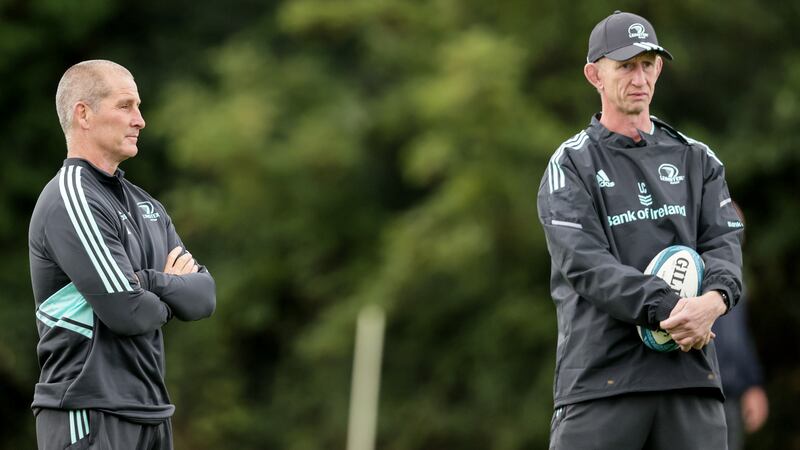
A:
x,y
365,385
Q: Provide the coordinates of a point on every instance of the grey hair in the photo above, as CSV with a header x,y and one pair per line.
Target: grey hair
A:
x,y
84,82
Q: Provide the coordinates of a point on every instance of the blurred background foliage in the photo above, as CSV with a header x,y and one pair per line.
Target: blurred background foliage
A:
x,y
319,155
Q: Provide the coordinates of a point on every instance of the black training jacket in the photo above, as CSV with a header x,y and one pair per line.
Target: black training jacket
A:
x,y
608,205
98,245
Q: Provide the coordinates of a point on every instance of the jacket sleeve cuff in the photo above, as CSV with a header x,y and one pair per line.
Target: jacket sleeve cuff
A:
x,y
664,307
149,280
730,286
148,283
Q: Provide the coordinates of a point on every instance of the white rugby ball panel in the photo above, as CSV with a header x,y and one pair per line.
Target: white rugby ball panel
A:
x,y
681,267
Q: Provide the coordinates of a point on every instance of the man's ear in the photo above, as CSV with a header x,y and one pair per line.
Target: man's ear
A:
x,y
592,73
81,114
659,65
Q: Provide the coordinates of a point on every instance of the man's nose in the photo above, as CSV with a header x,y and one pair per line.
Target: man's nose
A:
x,y
638,75
138,119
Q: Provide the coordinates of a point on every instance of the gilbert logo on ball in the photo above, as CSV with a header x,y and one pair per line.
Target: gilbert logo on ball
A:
x,y
682,268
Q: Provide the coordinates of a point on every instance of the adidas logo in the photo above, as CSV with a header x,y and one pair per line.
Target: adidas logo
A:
x,y
602,179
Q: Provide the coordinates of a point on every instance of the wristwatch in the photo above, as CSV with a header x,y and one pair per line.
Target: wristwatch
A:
x,y
725,299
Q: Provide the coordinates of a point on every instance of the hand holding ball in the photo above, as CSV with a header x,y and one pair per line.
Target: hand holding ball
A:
x,y
682,268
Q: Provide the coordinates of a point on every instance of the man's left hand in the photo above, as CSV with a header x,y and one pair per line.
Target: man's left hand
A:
x,y
178,264
690,321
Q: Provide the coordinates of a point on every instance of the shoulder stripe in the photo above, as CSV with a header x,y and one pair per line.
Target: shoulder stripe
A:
x,y
567,224
709,152
75,190
85,226
556,177
96,230
67,173
73,178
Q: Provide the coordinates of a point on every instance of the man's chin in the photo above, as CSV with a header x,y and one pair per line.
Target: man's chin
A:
x,y
132,151
635,110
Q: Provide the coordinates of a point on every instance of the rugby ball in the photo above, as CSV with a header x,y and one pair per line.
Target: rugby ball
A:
x,y
682,268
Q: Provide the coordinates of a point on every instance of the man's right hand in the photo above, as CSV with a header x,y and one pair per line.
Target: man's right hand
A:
x,y
690,321
178,264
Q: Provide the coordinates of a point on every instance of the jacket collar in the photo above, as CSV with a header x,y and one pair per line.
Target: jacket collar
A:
x,y
97,173
662,133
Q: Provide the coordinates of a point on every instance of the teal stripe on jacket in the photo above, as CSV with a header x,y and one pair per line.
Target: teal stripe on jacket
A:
x,y
68,309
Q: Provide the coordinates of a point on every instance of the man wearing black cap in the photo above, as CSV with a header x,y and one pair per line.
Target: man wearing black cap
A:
x,y
612,197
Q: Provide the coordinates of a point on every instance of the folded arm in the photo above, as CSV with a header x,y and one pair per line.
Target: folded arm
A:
x,y
82,238
188,288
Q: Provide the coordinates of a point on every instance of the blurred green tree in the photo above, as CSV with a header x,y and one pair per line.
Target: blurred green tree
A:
x,y
319,155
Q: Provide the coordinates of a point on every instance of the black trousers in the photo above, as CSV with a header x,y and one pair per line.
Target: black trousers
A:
x,y
648,421
81,429
733,416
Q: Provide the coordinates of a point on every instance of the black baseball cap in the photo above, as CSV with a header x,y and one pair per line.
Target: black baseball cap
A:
x,y
621,36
